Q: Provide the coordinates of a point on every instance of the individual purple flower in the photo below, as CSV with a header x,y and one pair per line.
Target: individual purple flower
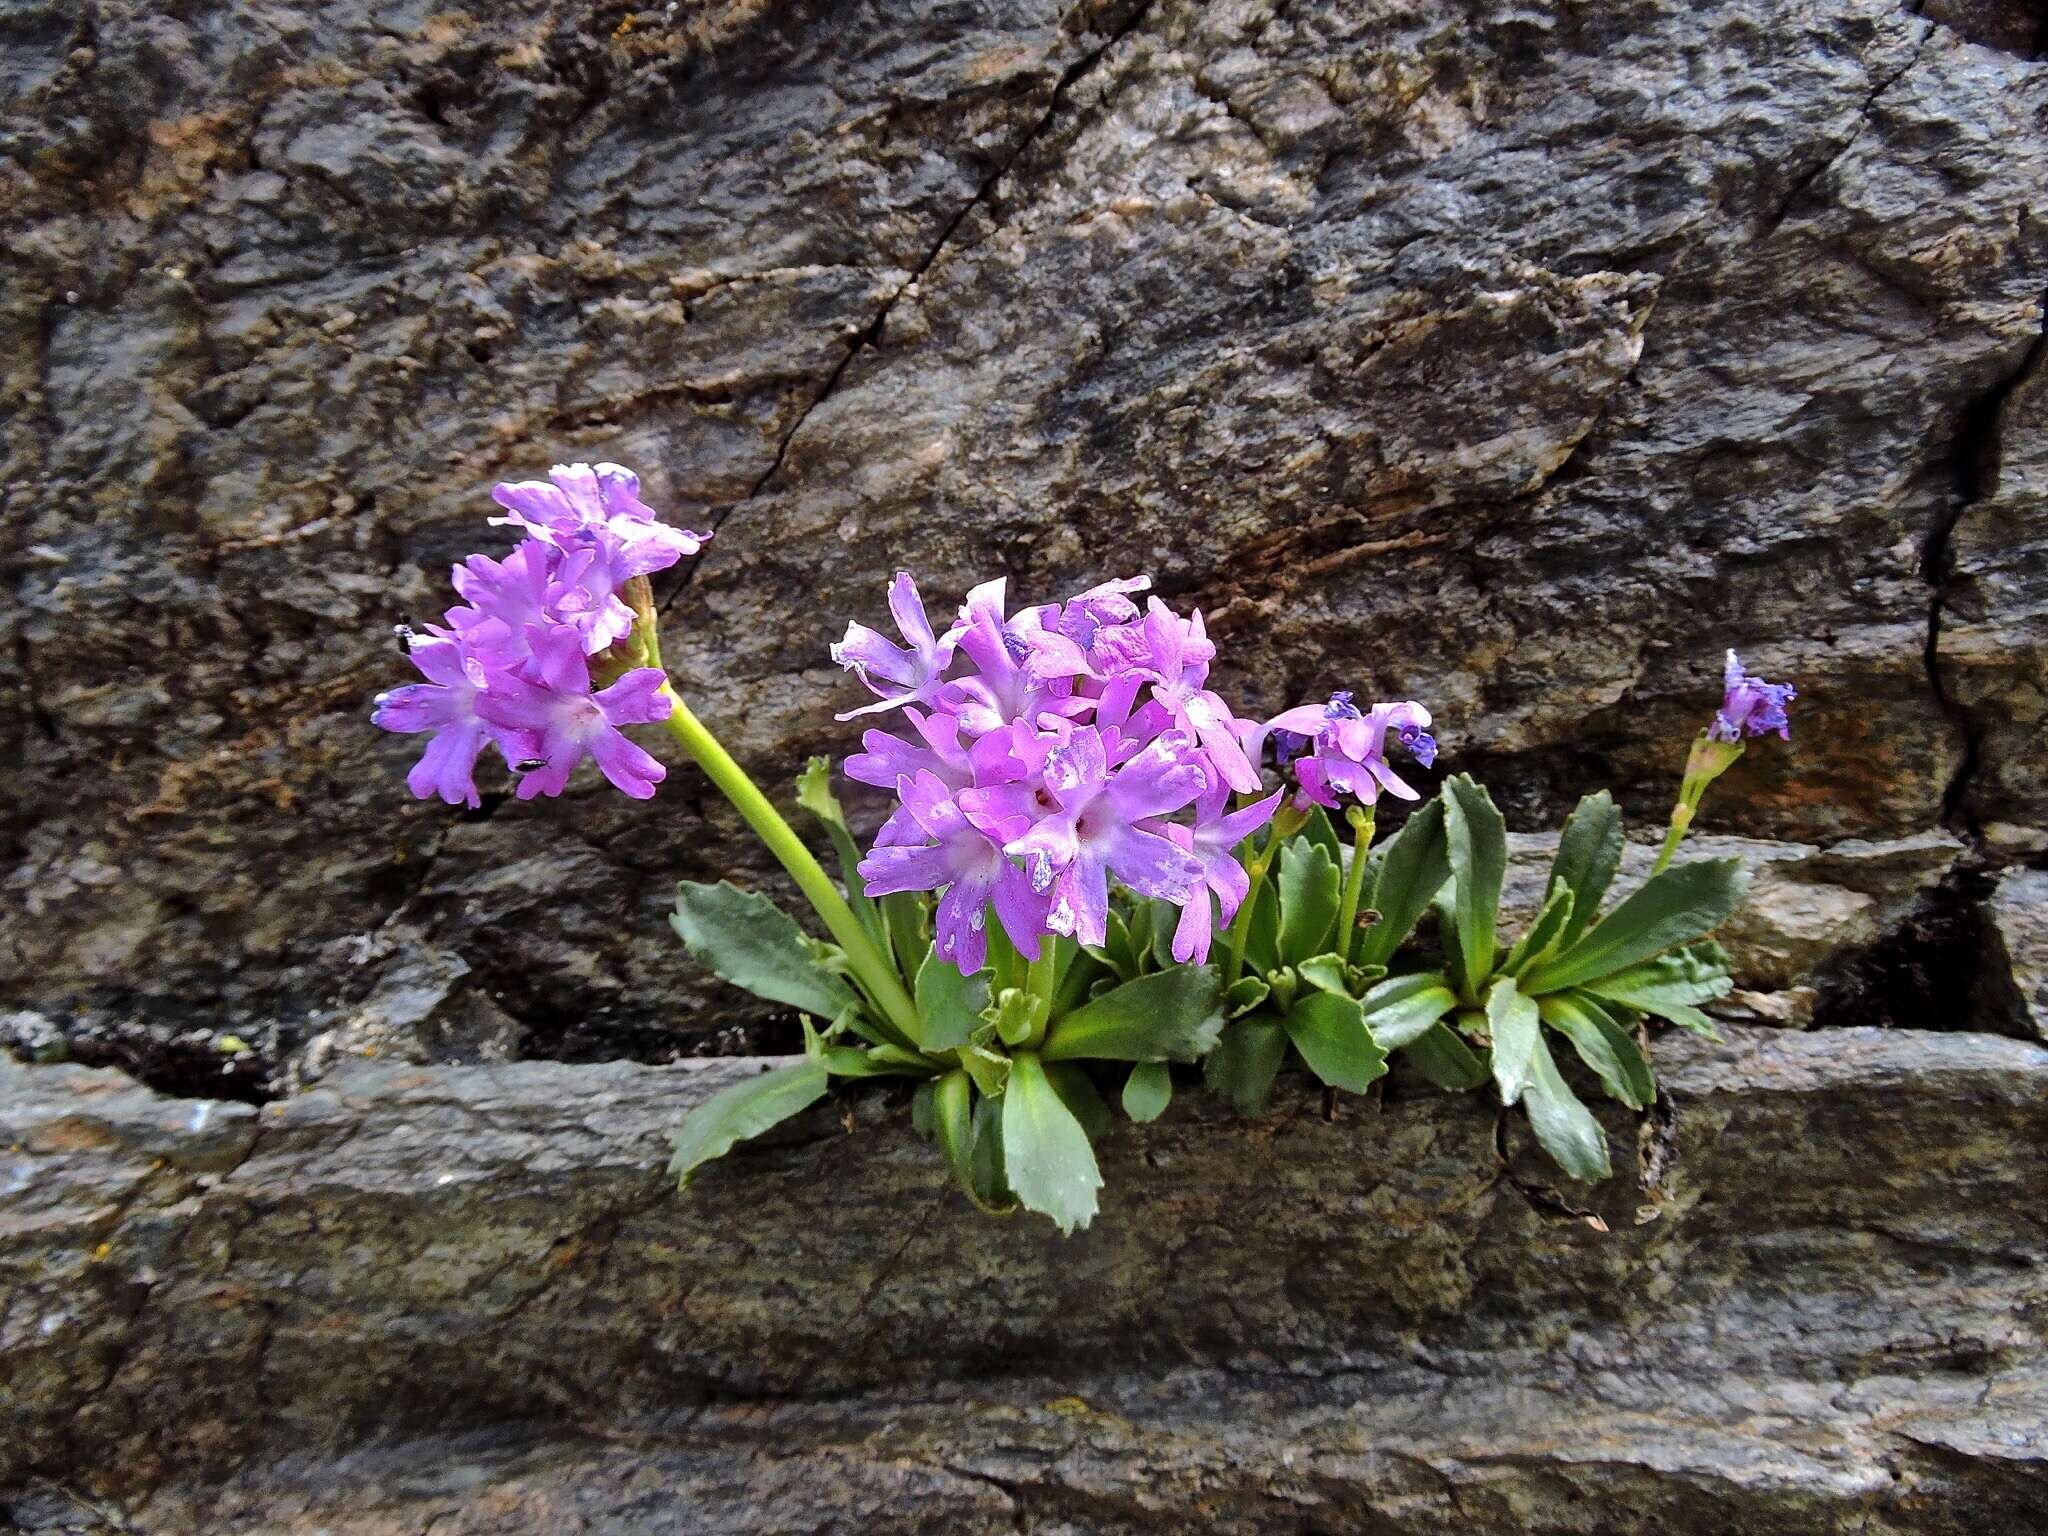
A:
x,y
1349,751
566,722
538,584
1177,653
911,673
967,866
1213,840
446,704
1750,706
577,502
1100,828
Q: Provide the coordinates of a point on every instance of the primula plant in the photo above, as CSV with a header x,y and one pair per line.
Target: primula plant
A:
x,y
1084,877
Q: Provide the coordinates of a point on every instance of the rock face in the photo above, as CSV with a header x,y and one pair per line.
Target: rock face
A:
x,y
1517,361
1811,1303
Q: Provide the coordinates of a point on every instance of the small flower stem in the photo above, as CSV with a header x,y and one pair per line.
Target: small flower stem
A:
x,y
1038,985
1361,819
1241,926
873,972
1681,819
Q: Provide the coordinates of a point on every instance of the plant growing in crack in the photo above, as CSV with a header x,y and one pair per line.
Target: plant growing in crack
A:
x,y
1084,880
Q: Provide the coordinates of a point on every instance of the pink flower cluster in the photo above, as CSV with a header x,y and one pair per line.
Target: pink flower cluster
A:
x,y
509,666
1047,751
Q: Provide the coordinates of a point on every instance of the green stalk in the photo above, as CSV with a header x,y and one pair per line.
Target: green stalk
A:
x,y
1241,926
1681,819
874,973
1038,986
1361,819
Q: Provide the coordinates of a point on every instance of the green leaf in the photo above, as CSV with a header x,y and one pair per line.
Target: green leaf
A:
x,y
989,1069
1078,1092
1544,935
949,1005
1329,1031
1442,1056
1165,918
1262,938
1245,1062
1015,1013
814,794
1669,985
1477,838
1447,932
1046,1156
1310,888
1512,1021
1668,909
1078,970
1413,865
1565,1127
1245,994
991,1177
1119,949
1402,1008
752,943
923,1113
1148,1090
1603,1045
1167,1016
953,1120
1322,832
910,938
1588,854
1327,972
741,1111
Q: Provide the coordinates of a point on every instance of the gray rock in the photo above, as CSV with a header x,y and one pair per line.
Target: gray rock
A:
x,y
1517,362
2018,963
1806,1301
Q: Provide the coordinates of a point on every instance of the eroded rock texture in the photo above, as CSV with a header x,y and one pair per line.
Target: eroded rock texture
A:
x,y
1517,358
1811,1302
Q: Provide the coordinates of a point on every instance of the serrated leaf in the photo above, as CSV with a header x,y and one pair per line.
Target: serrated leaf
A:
x,y
749,941
1442,1056
1147,1091
1047,1159
1310,890
990,1069
1245,994
1564,1127
1167,1016
1413,865
1322,832
1670,909
1669,985
1512,1021
1328,973
1603,1045
1588,855
1544,935
741,1111
1477,838
949,1005
1079,1093
1329,1031
1246,1061
1400,1009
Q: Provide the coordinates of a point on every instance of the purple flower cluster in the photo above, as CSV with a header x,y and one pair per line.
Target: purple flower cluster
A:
x,y
1047,750
1339,749
509,666
1750,706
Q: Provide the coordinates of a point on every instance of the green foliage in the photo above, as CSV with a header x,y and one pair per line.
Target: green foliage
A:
x,y
1018,1066
747,940
743,1110
1046,1156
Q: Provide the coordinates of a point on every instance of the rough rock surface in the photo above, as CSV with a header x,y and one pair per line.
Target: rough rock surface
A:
x,y
1812,1302
1516,358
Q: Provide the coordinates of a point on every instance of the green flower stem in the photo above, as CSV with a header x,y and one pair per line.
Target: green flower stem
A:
x,y
874,973
1681,819
1038,986
1241,926
1361,819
